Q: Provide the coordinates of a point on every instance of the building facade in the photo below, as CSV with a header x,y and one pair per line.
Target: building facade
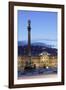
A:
x,y
43,60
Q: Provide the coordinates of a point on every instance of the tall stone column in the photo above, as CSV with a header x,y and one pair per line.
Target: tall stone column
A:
x,y
29,65
29,38
29,42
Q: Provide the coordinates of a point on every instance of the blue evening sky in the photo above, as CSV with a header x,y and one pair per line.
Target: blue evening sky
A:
x,y
43,26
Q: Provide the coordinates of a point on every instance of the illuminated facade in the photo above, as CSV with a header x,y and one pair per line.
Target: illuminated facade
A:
x,y
43,60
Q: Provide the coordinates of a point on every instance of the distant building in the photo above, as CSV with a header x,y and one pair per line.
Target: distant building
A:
x,y
43,60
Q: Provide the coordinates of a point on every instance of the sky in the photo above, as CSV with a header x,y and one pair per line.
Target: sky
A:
x,y
43,26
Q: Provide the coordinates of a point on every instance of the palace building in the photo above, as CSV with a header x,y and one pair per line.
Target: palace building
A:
x,y
43,60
